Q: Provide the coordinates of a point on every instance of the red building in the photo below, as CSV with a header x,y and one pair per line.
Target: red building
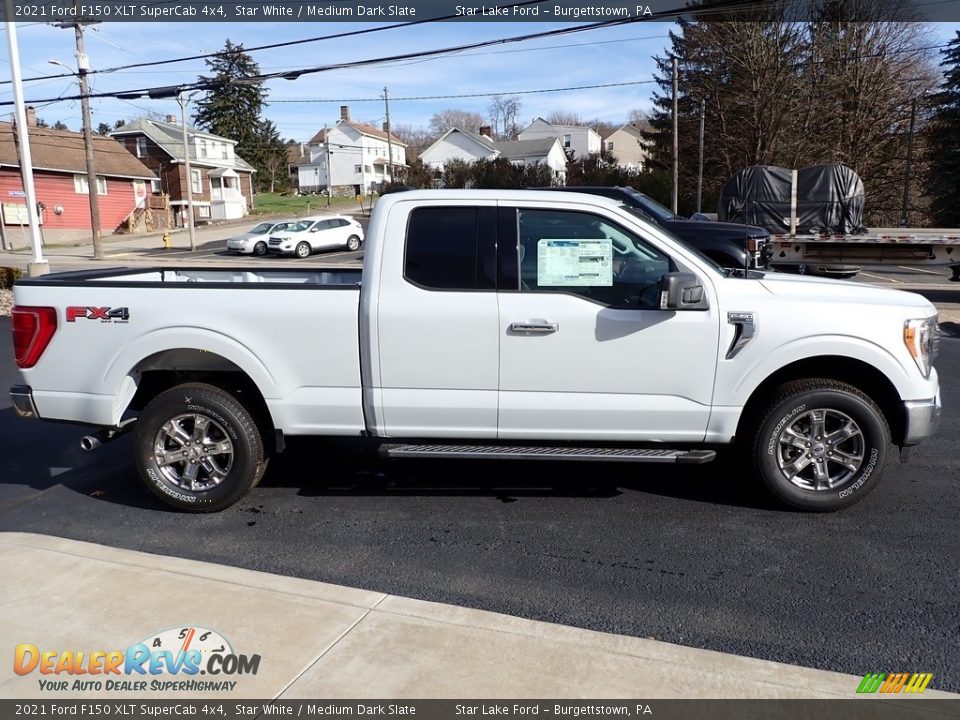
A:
x,y
60,178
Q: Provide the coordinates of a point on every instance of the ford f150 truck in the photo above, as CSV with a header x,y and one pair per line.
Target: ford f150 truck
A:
x,y
486,324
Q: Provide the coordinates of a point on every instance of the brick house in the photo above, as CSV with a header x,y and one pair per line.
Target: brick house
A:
x,y
222,181
60,178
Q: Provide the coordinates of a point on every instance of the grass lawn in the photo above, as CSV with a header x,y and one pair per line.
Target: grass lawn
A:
x,y
278,203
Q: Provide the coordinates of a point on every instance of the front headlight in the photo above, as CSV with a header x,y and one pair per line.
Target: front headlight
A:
x,y
922,338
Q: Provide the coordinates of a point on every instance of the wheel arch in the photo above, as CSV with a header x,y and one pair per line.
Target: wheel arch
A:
x,y
861,375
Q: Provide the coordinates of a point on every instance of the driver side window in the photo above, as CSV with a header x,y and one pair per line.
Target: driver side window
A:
x,y
587,255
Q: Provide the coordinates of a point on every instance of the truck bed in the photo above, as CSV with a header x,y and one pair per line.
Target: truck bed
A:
x,y
294,332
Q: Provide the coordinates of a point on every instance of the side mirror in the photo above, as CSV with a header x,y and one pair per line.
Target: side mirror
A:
x,y
314,229
682,291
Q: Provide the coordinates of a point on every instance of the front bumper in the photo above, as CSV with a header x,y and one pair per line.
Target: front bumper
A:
x,y
22,398
922,419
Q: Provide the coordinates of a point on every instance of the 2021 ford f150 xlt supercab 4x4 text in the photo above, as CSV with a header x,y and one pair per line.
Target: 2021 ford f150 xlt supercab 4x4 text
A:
x,y
486,324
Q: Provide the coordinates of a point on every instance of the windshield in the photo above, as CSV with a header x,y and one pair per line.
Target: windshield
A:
x,y
262,228
680,241
651,206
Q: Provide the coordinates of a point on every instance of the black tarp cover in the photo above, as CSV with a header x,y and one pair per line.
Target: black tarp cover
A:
x,y
829,199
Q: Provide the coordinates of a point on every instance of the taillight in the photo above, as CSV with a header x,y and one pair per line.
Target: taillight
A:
x,y
33,327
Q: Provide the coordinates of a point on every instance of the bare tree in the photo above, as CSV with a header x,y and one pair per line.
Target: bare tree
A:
x,y
638,117
503,110
564,117
454,118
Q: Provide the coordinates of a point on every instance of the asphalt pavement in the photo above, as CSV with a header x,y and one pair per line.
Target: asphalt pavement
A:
x,y
691,556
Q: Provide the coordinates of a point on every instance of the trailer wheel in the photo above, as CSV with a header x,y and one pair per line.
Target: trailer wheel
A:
x,y
819,444
198,448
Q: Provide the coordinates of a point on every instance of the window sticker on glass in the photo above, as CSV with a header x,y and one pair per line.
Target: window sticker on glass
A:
x,y
575,263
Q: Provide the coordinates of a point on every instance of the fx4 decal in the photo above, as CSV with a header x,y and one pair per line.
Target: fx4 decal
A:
x,y
103,314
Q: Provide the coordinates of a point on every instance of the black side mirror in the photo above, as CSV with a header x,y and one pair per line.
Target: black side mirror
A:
x,y
682,291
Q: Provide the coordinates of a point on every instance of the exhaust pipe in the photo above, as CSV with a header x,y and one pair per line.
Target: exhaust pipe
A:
x,y
101,437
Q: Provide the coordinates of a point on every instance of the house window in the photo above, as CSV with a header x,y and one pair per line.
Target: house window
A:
x,y
203,211
224,152
610,145
566,141
196,181
81,187
358,168
141,147
368,168
155,187
203,148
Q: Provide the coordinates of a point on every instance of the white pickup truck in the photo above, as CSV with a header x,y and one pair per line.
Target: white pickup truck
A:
x,y
486,324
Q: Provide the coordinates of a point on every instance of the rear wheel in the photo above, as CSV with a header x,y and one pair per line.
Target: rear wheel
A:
x,y
353,243
198,448
819,444
260,249
303,250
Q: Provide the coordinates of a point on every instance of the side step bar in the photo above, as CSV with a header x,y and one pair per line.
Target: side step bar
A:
x,y
509,452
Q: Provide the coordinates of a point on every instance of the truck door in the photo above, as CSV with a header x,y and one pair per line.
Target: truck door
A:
x,y
437,338
586,353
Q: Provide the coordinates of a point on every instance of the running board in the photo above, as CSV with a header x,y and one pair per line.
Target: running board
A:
x,y
529,452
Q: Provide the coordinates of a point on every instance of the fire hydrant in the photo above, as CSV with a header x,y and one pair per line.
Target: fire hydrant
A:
x,y
166,241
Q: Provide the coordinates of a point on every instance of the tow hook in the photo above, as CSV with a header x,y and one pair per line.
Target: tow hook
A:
x,y
101,437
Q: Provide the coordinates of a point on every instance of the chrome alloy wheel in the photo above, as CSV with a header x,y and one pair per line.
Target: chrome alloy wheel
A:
x,y
193,452
820,450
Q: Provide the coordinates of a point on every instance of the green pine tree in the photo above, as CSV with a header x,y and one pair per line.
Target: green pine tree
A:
x,y
943,142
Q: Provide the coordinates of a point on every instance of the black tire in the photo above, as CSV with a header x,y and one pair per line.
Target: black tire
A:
x,y
784,433
260,249
302,250
353,243
224,422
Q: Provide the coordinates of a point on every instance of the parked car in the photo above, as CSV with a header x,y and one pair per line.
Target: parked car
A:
x,y
254,241
317,233
730,244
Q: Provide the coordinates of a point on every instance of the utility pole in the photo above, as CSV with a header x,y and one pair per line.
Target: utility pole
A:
x,y
93,192
38,266
676,143
703,112
386,104
906,182
326,148
183,100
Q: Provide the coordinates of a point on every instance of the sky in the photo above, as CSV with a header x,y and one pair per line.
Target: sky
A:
x,y
607,55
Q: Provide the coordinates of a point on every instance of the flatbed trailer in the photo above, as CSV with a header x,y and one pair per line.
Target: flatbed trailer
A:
x,y
843,255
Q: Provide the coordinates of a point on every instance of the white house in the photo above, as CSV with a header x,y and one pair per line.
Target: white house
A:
x,y
583,141
627,145
358,156
456,144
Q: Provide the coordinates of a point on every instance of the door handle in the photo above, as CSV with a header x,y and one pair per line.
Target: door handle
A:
x,y
534,328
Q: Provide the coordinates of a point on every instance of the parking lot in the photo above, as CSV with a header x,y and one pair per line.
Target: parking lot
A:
x,y
690,556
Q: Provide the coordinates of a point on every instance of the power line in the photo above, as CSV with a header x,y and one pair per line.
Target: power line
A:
x,y
271,46
172,90
468,95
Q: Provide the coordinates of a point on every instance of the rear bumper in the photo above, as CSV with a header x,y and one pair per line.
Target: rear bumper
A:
x,y
923,419
22,398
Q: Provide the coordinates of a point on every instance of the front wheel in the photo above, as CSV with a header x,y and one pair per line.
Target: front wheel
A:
x,y
260,249
303,250
819,444
353,243
197,448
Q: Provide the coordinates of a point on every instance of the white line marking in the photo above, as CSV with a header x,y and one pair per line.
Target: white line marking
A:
x,y
917,269
880,277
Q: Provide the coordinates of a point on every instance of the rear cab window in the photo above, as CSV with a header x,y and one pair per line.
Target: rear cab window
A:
x,y
451,248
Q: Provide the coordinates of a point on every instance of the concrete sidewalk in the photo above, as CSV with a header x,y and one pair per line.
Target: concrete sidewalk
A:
x,y
325,641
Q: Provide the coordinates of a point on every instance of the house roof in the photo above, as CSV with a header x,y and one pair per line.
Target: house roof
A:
x,y
559,127
484,140
319,138
169,138
370,130
540,147
628,128
62,150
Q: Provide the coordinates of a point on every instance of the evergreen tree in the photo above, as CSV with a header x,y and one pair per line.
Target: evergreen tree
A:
x,y
232,108
943,142
103,129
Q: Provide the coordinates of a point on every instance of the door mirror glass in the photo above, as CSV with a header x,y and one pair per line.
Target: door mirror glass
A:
x,y
682,291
